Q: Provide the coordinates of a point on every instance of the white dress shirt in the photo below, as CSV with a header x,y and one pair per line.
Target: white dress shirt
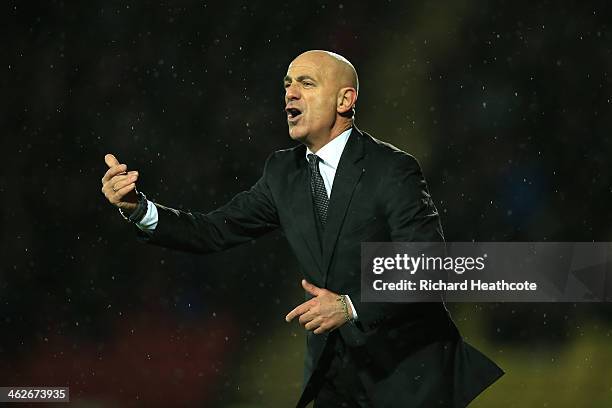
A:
x,y
330,157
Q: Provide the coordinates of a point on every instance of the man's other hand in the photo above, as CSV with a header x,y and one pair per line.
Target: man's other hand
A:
x,y
323,313
119,185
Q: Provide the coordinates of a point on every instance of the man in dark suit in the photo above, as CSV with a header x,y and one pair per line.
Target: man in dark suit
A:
x,y
338,188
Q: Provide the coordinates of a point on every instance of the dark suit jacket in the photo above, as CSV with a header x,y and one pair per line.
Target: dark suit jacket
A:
x,y
408,354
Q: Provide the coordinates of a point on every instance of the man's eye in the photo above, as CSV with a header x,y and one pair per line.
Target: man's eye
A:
x,y
307,83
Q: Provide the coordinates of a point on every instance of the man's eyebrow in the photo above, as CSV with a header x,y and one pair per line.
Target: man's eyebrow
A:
x,y
299,79
304,77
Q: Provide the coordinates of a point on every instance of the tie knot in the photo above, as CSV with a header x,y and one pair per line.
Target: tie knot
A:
x,y
313,160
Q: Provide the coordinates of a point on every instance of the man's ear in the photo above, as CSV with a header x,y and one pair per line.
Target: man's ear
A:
x,y
346,100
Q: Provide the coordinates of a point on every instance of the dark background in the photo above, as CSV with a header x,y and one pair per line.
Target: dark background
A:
x,y
507,105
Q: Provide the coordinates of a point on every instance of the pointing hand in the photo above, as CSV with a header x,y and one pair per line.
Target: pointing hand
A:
x,y
324,312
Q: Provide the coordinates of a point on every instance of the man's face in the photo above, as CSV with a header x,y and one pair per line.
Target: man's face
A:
x,y
310,98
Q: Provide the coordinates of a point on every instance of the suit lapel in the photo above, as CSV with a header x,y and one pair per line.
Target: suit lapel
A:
x,y
347,175
302,207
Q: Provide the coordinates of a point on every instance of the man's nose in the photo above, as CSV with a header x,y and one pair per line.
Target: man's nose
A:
x,y
292,93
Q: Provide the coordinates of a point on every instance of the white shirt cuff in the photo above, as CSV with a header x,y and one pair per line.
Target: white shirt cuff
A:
x,y
149,221
348,299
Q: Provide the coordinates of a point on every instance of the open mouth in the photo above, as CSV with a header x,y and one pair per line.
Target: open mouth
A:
x,y
293,113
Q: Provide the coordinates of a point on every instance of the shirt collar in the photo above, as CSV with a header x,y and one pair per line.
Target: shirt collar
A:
x,y
331,152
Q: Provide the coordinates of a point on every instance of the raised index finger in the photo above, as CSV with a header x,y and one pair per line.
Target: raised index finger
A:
x,y
299,310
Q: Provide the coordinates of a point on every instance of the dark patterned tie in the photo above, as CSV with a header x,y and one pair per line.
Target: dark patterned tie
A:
x,y
317,186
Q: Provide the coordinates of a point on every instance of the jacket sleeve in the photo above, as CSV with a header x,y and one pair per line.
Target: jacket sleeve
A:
x,y
250,214
411,217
